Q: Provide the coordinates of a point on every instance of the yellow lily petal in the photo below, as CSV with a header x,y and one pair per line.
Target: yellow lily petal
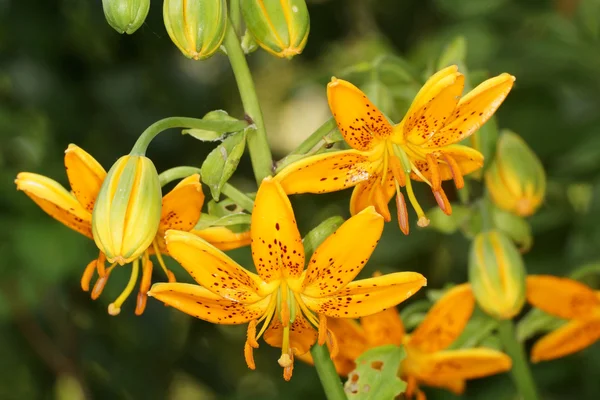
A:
x,y
56,201
445,321
455,386
382,328
181,208
202,303
372,193
211,268
473,110
563,297
302,334
568,339
427,92
324,173
338,260
431,116
276,243
359,121
352,342
85,175
222,238
442,366
367,296
467,159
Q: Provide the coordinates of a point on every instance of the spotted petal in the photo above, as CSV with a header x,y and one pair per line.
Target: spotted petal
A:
x,y
56,201
213,269
85,175
223,238
383,328
367,296
467,159
360,122
568,339
445,321
302,334
204,304
473,110
327,172
338,260
563,297
276,243
372,193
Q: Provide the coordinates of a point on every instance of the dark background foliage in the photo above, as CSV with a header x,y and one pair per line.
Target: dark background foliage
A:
x,y
67,77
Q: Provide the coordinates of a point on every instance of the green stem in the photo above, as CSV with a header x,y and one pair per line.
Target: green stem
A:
x,y
326,370
315,137
258,146
235,14
487,219
520,372
140,146
238,197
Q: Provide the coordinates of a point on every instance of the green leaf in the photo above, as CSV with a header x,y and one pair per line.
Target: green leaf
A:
x,y
218,125
376,375
207,220
448,223
536,322
222,162
315,237
455,52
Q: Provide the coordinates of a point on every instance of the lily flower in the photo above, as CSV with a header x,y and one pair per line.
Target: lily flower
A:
x,y
181,209
386,157
427,361
568,299
291,302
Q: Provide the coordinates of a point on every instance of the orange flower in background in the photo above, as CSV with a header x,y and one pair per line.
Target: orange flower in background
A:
x,y
291,302
181,209
427,361
386,157
568,299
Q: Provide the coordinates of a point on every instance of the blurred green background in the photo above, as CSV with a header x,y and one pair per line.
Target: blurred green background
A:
x,y
67,77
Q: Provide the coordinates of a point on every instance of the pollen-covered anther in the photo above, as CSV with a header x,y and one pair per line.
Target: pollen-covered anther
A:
x,y
402,213
459,181
442,201
88,273
332,344
434,169
142,296
249,355
322,338
251,334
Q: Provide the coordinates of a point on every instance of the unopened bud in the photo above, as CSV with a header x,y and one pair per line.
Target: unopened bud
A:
x,y
497,275
516,179
279,27
125,16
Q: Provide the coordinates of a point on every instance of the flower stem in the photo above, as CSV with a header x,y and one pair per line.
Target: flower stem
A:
x,y
238,197
520,372
140,146
315,137
258,146
326,370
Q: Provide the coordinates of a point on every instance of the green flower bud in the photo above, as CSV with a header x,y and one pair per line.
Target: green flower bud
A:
x,y
125,16
279,27
197,27
516,179
128,208
497,275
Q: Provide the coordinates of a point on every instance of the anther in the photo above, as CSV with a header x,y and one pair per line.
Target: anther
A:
x,y
332,344
402,212
88,273
251,334
101,282
442,201
434,169
322,329
249,356
142,297
459,181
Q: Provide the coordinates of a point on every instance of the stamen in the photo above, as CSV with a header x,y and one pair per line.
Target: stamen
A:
x,y
411,387
101,282
385,167
402,211
114,308
249,356
101,264
442,200
306,312
267,316
332,344
322,330
397,171
169,274
419,174
144,285
436,179
251,334
459,181
88,273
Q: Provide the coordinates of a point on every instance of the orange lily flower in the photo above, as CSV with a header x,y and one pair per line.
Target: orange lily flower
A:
x,y
568,299
427,362
386,157
181,209
289,300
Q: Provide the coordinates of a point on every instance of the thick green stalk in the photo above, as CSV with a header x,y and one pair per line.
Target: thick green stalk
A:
x,y
327,375
258,146
315,137
520,371
228,190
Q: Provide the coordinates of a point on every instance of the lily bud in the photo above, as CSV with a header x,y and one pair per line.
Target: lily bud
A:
x,y
128,209
125,16
196,27
497,275
516,179
279,27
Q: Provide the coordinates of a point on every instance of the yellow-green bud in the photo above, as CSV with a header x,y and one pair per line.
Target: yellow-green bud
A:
x,y
497,275
516,179
125,16
128,208
197,27
278,26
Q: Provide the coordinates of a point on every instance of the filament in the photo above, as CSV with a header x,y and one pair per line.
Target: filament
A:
x,y
114,308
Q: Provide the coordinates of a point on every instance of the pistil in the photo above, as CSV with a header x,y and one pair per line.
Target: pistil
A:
x,y
114,308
